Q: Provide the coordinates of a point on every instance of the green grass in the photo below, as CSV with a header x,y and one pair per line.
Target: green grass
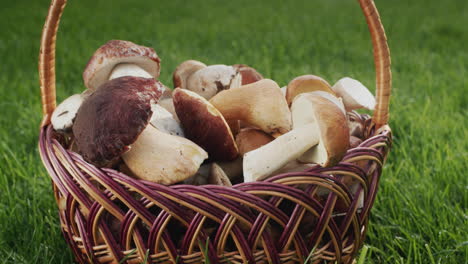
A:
x,y
420,215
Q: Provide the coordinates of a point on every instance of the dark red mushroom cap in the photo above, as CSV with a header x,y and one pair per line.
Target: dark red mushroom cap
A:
x,y
114,52
112,118
204,125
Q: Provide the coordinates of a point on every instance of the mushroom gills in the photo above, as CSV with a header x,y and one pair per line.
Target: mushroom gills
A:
x,y
162,158
128,69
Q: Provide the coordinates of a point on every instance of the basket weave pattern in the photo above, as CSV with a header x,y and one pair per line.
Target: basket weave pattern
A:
x,y
107,216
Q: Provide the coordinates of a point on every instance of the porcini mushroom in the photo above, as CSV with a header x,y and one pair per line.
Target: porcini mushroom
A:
x,y
331,97
165,121
260,104
355,95
249,139
210,173
184,70
114,122
163,158
263,161
212,79
305,84
119,58
65,113
204,125
249,74
233,169
320,135
332,124
356,124
217,176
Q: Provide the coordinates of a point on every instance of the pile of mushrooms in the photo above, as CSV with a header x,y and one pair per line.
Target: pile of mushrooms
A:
x,y
221,124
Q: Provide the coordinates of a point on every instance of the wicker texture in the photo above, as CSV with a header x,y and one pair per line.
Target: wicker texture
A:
x,y
107,216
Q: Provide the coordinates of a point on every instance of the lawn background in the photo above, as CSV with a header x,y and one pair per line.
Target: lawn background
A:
x,y
420,215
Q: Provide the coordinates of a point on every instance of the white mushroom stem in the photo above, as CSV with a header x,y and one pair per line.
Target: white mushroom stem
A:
x,y
274,155
165,121
162,158
355,95
128,69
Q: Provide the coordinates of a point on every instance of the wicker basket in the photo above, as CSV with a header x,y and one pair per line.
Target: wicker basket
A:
x,y
107,217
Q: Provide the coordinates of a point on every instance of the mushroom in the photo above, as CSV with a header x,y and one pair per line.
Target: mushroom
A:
x,y
218,176
283,90
210,173
355,95
212,79
320,135
165,121
200,177
233,169
294,166
356,124
269,158
119,58
331,121
249,74
184,70
162,158
204,125
260,104
114,122
65,113
331,97
249,139
304,84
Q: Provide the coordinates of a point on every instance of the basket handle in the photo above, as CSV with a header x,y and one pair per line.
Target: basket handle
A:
x,y
379,42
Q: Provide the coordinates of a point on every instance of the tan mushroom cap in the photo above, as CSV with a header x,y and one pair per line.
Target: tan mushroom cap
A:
x,y
217,176
261,104
249,139
205,125
184,70
304,84
163,158
332,126
212,79
116,52
249,74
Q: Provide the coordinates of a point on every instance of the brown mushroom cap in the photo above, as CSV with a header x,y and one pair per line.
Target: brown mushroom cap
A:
x,y
212,79
111,119
115,52
184,70
249,139
304,84
163,158
249,74
204,125
260,104
332,126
